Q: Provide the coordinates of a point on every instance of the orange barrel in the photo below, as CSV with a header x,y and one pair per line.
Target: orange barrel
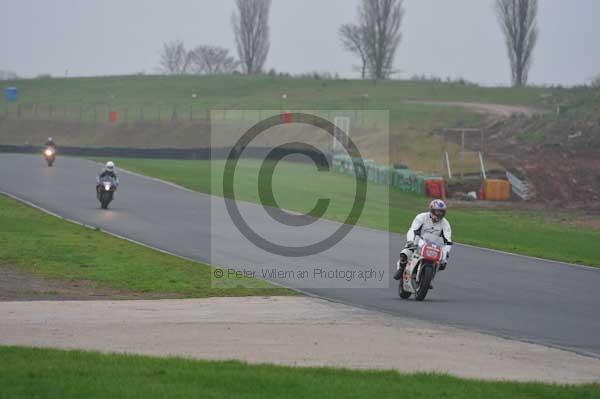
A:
x,y
496,190
113,116
287,117
435,188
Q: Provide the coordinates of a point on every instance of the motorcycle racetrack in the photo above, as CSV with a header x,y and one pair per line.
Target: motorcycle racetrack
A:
x,y
522,298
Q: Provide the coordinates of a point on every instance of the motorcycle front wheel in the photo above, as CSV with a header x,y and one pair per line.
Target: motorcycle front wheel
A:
x,y
105,199
426,277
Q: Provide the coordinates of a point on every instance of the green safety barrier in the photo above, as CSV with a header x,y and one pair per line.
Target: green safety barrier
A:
x,y
402,179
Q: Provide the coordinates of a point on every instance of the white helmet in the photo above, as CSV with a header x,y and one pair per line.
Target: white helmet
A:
x,y
437,209
110,166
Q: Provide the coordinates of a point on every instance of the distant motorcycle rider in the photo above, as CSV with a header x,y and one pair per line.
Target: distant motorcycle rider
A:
x,y
50,143
431,226
108,171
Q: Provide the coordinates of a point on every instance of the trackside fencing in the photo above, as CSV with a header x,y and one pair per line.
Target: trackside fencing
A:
x,y
171,113
519,187
401,179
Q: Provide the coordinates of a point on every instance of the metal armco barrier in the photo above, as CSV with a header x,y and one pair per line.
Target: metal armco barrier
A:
x,y
260,153
402,179
519,187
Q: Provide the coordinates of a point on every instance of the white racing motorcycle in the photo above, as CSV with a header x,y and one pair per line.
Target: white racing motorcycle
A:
x,y
105,191
420,269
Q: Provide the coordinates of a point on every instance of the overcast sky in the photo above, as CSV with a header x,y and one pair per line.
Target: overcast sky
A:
x,y
458,38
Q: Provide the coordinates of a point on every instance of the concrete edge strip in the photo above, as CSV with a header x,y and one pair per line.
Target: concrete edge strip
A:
x,y
303,292
155,179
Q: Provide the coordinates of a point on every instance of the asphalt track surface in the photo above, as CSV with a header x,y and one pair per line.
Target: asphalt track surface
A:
x,y
528,299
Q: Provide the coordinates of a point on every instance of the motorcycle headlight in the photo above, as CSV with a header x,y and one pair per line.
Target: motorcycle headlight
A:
x,y
431,253
107,187
48,152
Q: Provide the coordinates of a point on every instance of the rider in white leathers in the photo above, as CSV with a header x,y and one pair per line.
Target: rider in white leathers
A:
x,y
431,226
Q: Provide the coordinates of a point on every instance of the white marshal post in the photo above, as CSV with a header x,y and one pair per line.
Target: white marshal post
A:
x,y
342,134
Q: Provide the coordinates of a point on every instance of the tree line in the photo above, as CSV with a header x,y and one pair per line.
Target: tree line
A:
x,y
250,22
374,38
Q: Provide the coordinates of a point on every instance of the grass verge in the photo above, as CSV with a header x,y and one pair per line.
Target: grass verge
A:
x,y
47,373
298,186
263,92
54,248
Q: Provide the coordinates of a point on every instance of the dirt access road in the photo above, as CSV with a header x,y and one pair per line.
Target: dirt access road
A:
x,y
498,110
288,331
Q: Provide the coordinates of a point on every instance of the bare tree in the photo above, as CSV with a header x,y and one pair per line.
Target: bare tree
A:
x,y
518,21
174,58
352,38
251,27
378,33
595,82
381,20
211,60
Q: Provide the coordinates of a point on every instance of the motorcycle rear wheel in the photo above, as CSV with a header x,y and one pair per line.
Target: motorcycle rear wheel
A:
x,y
403,294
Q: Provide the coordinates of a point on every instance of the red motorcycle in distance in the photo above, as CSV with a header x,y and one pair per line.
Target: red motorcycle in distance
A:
x,y
50,155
